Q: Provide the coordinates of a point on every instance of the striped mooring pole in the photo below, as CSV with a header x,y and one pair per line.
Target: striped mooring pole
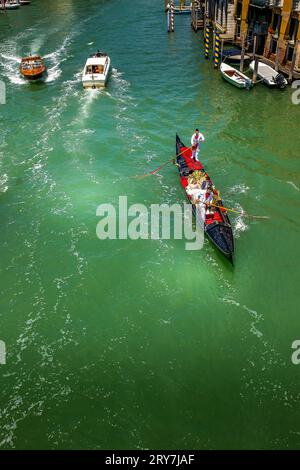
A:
x,y
206,42
172,15
217,49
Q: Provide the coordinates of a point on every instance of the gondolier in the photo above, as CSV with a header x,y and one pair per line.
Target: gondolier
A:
x,y
196,139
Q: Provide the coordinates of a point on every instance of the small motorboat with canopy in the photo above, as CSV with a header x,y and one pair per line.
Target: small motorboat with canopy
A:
x,y
96,71
269,76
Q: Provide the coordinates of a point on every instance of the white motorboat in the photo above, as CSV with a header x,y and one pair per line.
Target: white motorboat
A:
x,y
24,2
96,71
9,5
269,76
235,77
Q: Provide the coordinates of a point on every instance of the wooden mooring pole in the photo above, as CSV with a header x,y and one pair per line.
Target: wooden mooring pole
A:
x,y
217,49
222,49
254,78
291,72
168,20
207,34
277,56
254,45
242,54
255,58
172,16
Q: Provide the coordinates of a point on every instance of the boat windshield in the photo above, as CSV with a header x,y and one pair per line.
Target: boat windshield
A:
x,y
94,69
32,65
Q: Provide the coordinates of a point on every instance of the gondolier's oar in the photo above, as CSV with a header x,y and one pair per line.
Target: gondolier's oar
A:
x,y
243,214
153,172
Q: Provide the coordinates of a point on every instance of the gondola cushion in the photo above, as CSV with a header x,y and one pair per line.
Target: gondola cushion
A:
x,y
184,181
217,217
191,164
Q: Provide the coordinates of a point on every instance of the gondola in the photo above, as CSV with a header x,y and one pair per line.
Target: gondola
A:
x,y
213,220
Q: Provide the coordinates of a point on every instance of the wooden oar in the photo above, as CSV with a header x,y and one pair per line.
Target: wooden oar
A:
x,y
153,172
243,214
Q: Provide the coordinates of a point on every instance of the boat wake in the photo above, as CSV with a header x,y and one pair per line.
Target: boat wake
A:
x,y
255,317
125,104
53,73
87,102
10,66
11,58
120,85
3,183
37,44
294,185
56,58
239,189
239,226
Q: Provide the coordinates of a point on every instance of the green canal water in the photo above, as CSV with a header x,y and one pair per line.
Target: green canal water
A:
x,y
141,344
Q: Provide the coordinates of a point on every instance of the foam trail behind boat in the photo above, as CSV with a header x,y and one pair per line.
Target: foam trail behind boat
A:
x,y
294,185
3,181
55,58
37,44
89,97
10,65
53,73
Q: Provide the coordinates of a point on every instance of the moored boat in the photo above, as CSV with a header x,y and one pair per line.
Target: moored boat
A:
x,y
199,189
234,56
24,2
32,67
9,5
269,76
181,9
235,77
96,71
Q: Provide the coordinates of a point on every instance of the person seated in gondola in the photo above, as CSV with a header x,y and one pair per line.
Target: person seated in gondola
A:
x,y
206,197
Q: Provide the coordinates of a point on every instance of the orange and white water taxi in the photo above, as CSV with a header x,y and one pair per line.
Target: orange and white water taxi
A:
x,y
32,67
